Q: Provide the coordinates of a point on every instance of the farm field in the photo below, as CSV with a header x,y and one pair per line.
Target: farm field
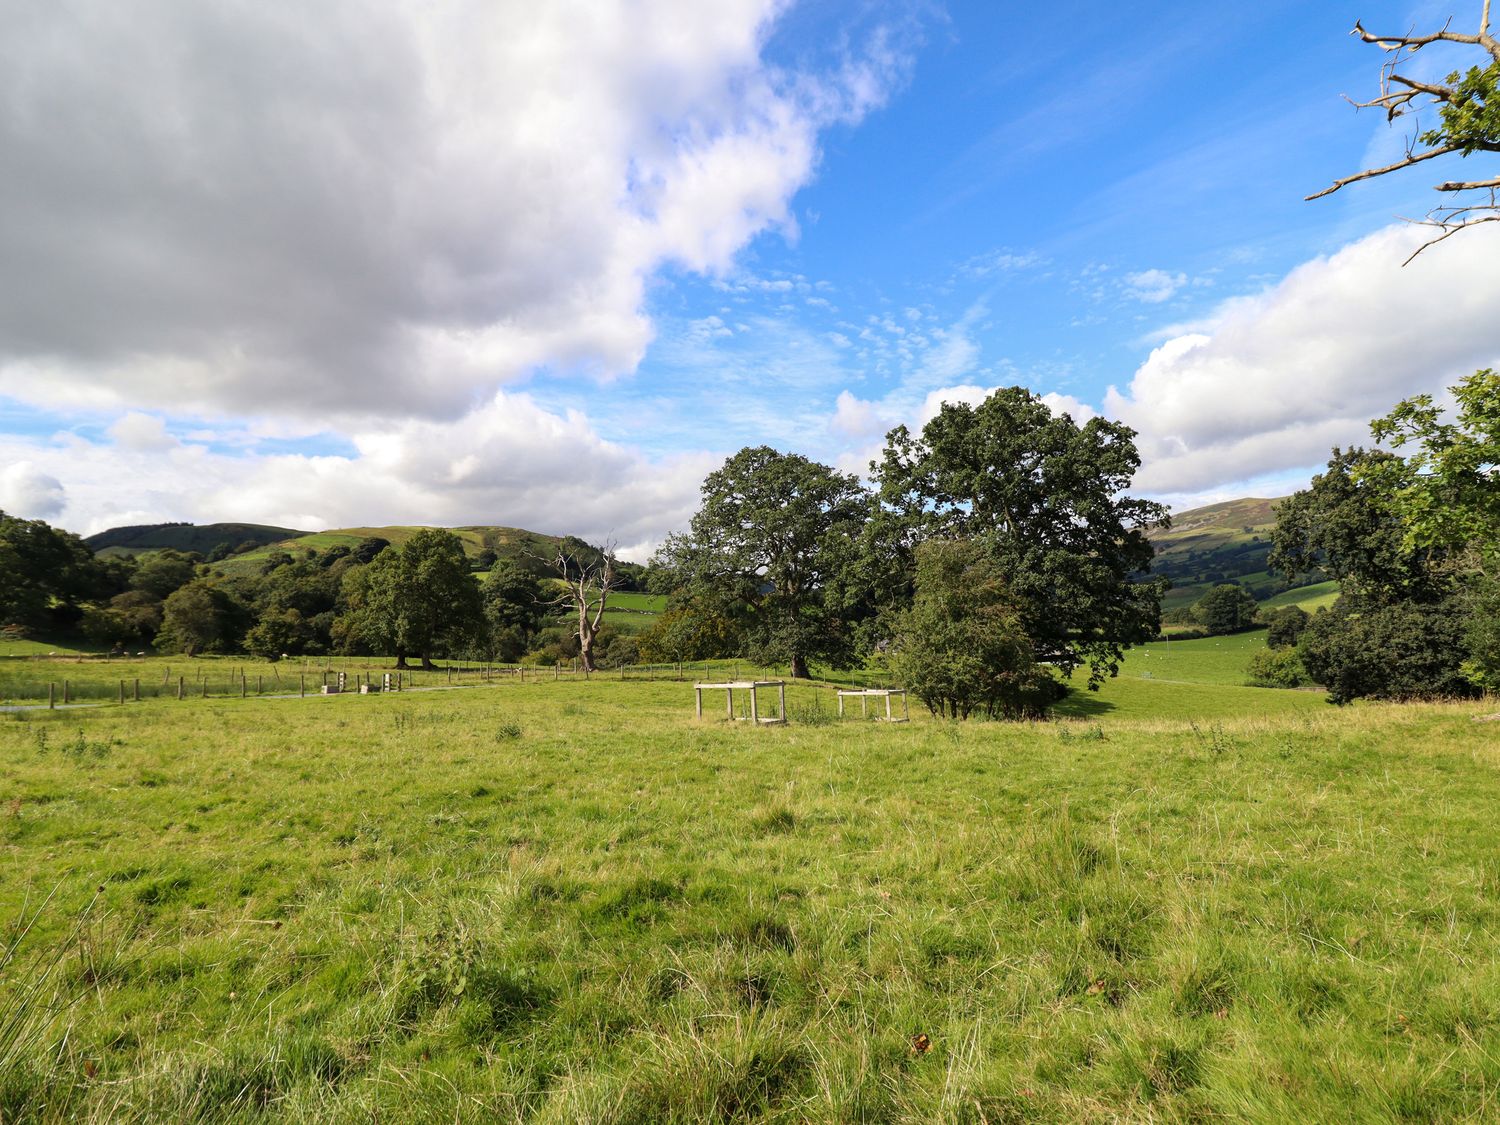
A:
x,y
571,901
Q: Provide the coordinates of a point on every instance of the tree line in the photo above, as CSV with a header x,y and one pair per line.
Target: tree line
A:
x,y
988,558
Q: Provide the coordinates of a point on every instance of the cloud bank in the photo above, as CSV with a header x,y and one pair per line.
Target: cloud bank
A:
x,y
1270,382
360,210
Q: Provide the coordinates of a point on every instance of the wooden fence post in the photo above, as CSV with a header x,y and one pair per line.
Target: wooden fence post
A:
x,y
51,695
137,689
122,693
179,687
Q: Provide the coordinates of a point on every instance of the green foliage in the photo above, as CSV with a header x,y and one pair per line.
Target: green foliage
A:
x,y
691,629
161,574
42,568
1481,603
1449,496
1471,116
414,597
1284,626
1404,650
770,548
1227,608
1046,498
1277,668
199,618
961,648
1347,525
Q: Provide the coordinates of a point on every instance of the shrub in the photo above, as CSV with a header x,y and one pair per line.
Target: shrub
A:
x,y
960,647
1405,650
1277,668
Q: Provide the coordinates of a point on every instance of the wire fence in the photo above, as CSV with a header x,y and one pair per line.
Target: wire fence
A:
x,y
31,682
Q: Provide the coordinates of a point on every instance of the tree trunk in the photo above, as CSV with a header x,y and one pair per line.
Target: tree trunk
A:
x,y
799,666
401,660
586,652
428,665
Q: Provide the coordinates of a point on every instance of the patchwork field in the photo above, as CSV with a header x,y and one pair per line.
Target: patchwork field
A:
x,y
568,901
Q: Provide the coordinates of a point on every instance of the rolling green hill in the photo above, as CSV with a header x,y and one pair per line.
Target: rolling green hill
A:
x,y
1226,542
203,538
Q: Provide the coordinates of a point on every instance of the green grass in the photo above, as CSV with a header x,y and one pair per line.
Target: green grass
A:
x,y
1319,595
575,902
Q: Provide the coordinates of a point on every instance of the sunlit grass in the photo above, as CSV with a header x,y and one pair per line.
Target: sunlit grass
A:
x,y
573,901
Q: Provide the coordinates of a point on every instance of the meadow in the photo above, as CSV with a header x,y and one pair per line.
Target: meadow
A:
x,y
572,901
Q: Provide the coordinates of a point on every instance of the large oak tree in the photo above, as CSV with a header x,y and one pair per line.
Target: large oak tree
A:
x,y
1046,497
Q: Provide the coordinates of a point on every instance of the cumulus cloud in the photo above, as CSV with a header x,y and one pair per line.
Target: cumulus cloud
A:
x,y
359,210
1271,382
28,492
508,462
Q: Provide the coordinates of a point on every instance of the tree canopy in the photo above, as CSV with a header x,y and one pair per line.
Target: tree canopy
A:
x,y
1045,496
770,546
411,597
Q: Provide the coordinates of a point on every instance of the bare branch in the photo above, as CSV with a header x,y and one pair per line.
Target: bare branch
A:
x,y
1410,159
1449,230
1470,185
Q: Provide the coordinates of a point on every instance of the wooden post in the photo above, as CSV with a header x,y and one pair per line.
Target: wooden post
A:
x,y
399,677
905,715
51,695
887,706
864,707
260,685
841,705
137,689
122,693
729,701
557,670
205,687
754,705
781,690
698,698
244,688
302,679
180,686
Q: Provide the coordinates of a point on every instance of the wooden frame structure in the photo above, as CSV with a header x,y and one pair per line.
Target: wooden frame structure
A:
x,y
752,686
866,694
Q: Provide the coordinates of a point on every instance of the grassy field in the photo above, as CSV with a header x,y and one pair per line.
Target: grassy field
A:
x,y
1320,595
571,901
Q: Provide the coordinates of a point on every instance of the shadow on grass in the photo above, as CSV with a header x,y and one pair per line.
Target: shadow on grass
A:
x,y
1080,703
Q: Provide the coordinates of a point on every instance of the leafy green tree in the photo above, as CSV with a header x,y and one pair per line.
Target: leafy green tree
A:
x,y
1347,525
1285,625
1227,608
1467,105
691,630
1401,651
42,568
1448,494
197,618
769,549
960,648
164,572
416,597
1045,496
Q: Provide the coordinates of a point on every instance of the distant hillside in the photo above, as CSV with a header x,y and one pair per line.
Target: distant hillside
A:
x,y
1226,542
202,538
525,547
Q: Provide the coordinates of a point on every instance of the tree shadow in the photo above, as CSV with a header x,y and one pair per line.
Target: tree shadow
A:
x,y
1081,704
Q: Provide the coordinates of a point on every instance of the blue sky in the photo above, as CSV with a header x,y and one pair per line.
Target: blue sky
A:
x,y
549,269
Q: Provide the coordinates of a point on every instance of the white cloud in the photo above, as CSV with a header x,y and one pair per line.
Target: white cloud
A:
x,y
1153,286
142,432
1271,382
358,210
29,493
508,462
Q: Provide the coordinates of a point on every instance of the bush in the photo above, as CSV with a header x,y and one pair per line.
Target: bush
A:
x,y
1402,651
960,648
1277,668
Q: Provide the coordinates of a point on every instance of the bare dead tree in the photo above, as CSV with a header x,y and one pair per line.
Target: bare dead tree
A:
x,y
1468,109
588,583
